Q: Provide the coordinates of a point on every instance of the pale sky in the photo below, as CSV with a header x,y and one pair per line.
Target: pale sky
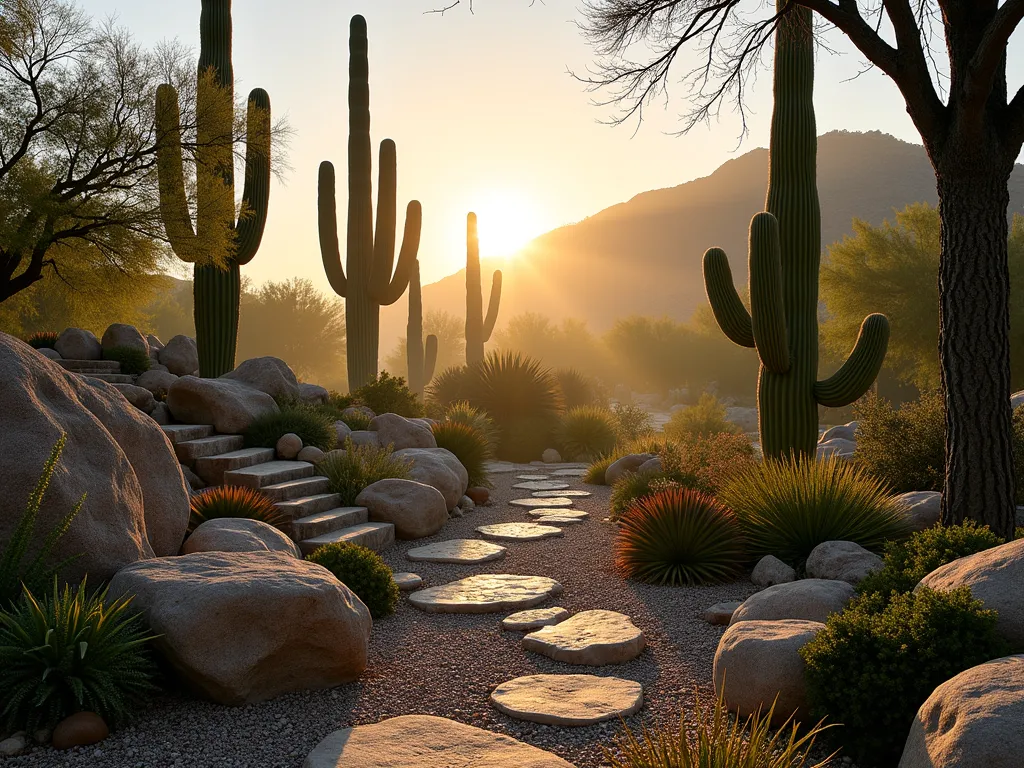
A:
x,y
483,112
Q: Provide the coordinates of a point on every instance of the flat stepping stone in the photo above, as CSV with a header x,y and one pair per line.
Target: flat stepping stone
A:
x,y
467,551
720,614
407,581
541,485
500,467
518,531
423,741
557,501
559,520
594,638
535,513
560,494
569,472
571,700
486,593
533,477
535,618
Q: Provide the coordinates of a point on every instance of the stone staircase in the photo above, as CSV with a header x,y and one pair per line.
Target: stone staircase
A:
x,y
104,370
315,515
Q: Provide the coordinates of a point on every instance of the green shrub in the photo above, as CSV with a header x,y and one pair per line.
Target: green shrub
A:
x,y
364,572
470,447
586,432
448,387
312,425
36,574
679,537
352,468
875,663
577,388
233,501
918,429
631,422
462,412
705,418
389,394
706,463
70,652
356,420
134,361
43,340
909,561
632,487
786,508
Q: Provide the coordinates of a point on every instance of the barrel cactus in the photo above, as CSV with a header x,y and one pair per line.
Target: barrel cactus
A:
x,y
478,328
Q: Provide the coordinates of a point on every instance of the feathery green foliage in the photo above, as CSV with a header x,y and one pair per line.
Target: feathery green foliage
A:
x,y
233,501
134,361
364,572
308,422
70,652
42,340
705,418
351,468
388,394
577,388
470,447
585,432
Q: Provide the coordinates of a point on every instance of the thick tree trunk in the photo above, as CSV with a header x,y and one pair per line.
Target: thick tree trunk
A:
x,y
974,346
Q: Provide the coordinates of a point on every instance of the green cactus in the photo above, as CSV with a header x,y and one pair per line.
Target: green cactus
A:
x,y
478,328
784,258
217,246
421,358
370,251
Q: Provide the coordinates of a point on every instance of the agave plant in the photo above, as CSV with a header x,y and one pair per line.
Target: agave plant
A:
x,y
586,432
469,445
233,501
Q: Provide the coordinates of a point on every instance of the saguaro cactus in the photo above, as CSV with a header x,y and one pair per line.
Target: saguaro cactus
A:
x,y
784,259
478,328
421,358
370,257
217,246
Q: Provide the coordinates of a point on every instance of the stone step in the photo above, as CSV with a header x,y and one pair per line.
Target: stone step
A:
x,y
180,433
376,536
212,468
296,489
308,505
268,473
96,366
188,451
110,378
327,522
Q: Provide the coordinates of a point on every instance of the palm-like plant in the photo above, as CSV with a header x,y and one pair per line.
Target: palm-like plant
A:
x,y
233,501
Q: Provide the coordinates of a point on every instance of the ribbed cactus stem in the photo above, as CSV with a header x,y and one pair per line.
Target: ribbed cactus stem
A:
x,y
478,327
421,360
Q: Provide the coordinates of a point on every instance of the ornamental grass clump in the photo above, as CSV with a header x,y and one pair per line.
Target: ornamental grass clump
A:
x,y
133,361
577,388
364,572
470,447
314,426
350,469
462,412
586,432
43,340
224,501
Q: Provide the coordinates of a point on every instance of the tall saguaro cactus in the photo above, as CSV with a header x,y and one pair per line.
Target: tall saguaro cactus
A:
x,y
218,245
421,357
784,259
370,252
478,328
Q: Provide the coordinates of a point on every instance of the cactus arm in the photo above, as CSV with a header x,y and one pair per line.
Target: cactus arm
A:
x,y
729,311
430,359
327,224
492,305
861,368
171,178
384,288
767,307
256,192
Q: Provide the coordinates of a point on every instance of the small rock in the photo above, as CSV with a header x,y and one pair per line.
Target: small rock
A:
x,y
14,745
534,618
80,730
313,393
288,446
770,571
479,495
922,508
407,581
141,398
625,465
650,467
842,561
310,453
719,614
53,354
807,599
180,355
124,335
400,432
355,411
364,437
466,504
551,456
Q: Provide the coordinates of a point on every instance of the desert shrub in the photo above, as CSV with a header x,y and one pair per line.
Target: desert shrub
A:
x,y
356,420
586,432
389,394
596,471
786,508
909,561
233,501
462,412
311,424
577,388
469,445
706,463
705,418
649,443
36,574
874,664
631,422
448,387
905,447
43,340
352,468
71,651
364,572
679,537
133,361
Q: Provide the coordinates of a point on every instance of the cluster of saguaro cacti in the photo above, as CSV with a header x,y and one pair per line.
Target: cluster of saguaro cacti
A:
x,y
784,259
421,357
217,246
478,327
370,251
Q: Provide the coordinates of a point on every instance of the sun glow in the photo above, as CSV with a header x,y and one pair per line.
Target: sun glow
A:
x,y
506,221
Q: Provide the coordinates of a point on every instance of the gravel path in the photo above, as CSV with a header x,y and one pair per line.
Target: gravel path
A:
x,y
446,665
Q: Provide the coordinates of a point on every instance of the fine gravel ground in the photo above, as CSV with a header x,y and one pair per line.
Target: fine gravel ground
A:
x,y
447,665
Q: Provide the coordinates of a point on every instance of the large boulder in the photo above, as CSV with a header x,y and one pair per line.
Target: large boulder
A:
x,y
842,431
78,344
157,382
440,468
140,397
843,561
759,660
136,499
242,627
922,508
313,393
974,720
770,571
401,432
625,465
267,374
124,335
996,577
838,447
416,509
809,599
180,355
238,534
230,406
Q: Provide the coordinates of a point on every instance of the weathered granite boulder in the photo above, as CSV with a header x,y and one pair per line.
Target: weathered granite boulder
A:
x,y
157,382
363,437
838,447
53,354
625,465
78,344
230,406
288,446
809,599
140,397
842,431
843,561
401,432
922,508
440,468
124,335
416,509
770,571
238,534
313,393
180,355
267,374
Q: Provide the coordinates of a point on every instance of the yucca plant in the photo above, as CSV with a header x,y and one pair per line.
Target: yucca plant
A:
x,y
233,501
43,340
462,412
350,469
71,652
577,388
585,432
364,572
448,387
133,361
787,507
714,740
680,538
470,447
314,426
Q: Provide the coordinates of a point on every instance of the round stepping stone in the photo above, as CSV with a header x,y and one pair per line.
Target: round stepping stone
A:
x,y
557,501
541,485
594,638
533,477
486,593
407,581
560,494
535,618
569,472
518,531
568,699
559,513
468,551
559,520
720,614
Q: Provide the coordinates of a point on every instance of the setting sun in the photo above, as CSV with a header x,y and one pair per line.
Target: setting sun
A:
x,y
507,221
